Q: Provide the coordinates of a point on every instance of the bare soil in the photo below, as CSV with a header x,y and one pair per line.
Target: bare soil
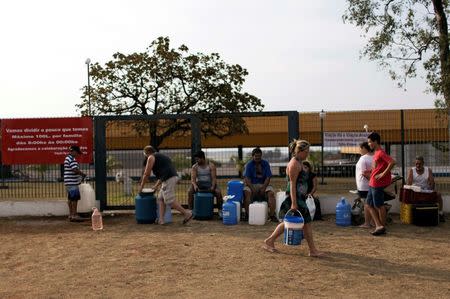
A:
x,y
52,258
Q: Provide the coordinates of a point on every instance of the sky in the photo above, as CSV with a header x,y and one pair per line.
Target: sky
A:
x,y
299,54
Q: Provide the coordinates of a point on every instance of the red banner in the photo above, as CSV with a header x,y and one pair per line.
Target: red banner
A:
x,y
45,140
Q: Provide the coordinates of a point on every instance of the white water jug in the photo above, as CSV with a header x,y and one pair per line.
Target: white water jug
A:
x,y
281,196
257,213
87,199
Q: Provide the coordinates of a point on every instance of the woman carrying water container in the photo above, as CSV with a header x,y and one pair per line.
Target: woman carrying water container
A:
x,y
296,177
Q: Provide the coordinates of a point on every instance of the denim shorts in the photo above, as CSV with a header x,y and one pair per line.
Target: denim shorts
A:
x,y
73,193
375,196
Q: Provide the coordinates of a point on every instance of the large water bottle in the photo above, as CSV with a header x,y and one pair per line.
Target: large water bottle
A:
x,y
343,213
97,220
229,213
167,213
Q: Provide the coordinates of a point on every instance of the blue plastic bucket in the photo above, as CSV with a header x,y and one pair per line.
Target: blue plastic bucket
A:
x,y
145,205
203,205
293,228
236,188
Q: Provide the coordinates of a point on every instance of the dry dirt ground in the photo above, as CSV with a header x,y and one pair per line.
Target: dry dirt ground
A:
x,y
52,258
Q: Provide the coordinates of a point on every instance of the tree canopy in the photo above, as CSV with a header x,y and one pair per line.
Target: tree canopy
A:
x,y
407,37
164,80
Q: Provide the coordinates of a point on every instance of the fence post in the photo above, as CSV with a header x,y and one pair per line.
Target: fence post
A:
x,y
240,158
402,132
100,161
196,138
293,125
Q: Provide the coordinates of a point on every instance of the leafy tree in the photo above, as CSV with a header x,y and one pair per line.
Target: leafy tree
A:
x,y
164,80
406,36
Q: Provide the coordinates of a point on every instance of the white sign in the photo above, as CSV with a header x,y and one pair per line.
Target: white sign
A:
x,y
335,139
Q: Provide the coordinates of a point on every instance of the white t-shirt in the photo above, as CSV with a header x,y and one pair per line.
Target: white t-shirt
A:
x,y
364,163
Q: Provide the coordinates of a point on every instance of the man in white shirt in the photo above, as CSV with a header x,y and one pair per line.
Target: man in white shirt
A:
x,y
423,177
362,176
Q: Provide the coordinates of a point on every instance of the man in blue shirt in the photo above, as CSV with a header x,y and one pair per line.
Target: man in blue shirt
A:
x,y
257,176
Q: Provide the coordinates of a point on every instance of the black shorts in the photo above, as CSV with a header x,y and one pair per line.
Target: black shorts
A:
x,y
362,194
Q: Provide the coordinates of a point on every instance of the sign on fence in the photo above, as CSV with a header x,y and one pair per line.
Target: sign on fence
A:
x,y
336,139
45,140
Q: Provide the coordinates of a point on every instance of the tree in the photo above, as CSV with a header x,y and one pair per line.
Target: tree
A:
x,y
407,36
163,80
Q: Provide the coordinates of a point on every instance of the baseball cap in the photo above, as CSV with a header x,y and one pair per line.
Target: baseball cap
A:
x,y
75,148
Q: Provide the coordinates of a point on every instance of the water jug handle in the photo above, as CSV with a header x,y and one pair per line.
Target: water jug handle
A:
x,y
291,211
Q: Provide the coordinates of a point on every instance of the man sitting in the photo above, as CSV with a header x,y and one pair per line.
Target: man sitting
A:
x,y
423,177
204,178
257,176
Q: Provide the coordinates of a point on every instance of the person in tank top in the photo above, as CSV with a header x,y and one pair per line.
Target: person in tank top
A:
x,y
167,179
204,178
422,176
296,189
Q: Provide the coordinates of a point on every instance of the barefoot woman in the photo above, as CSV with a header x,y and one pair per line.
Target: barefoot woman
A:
x,y
296,188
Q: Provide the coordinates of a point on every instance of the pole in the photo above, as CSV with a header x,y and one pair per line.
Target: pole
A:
x,y
89,89
321,152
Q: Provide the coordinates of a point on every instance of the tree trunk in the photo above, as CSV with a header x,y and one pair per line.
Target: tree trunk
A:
x,y
444,51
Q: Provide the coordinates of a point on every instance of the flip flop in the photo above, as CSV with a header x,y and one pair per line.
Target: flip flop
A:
x,y
269,249
317,255
379,232
186,220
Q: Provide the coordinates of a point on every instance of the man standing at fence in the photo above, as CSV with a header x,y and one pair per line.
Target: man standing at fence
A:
x,y
165,172
380,178
72,179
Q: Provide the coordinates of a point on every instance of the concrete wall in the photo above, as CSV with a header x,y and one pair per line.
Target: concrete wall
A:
x,y
59,208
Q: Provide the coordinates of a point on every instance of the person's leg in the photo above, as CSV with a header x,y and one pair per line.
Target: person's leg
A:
x,y
367,217
247,200
219,199
161,208
269,243
191,197
379,211
271,202
371,206
382,213
307,231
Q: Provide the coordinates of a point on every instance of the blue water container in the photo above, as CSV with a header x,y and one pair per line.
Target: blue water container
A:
x,y
343,213
293,228
236,188
203,205
145,204
167,213
229,213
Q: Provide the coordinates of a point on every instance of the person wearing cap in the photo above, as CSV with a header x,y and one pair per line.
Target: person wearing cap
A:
x,y
204,179
72,179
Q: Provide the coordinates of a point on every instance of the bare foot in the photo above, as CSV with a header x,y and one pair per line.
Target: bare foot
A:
x,y
317,254
269,246
365,225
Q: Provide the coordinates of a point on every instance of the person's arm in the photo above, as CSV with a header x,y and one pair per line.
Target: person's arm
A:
x,y
293,172
387,170
268,174
247,178
147,171
213,176
409,180
431,179
194,177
